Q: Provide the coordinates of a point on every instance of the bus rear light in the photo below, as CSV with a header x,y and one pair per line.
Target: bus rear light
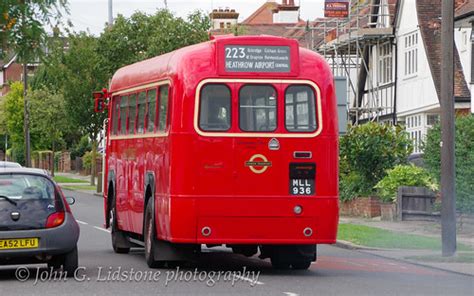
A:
x,y
302,154
308,232
206,231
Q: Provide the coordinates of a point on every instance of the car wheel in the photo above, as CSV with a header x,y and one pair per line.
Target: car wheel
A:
x,y
150,239
71,262
115,233
55,263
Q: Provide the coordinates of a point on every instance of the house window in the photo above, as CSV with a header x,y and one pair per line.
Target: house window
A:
x,y
411,54
464,41
229,25
415,128
222,25
385,64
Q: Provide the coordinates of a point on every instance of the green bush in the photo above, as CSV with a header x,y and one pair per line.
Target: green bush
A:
x,y
87,161
366,152
352,185
403,175
81,148
464,145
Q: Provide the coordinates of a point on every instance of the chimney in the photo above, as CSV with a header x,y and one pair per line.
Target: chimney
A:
x,y
292,3
285,2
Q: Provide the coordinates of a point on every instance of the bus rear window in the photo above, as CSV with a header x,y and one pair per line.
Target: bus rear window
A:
x,y
257,108
300,113
215,111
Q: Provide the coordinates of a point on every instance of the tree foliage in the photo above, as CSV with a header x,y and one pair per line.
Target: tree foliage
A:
x,y
22,25
144,36
464,151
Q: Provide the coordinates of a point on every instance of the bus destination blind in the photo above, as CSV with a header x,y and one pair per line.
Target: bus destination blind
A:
x,y
268,59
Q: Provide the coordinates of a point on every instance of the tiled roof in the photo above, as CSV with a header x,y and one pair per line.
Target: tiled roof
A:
x,y
263,15
464,9
429,18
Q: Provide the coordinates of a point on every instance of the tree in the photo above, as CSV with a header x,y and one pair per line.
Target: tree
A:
x,y
464,143
144,36
22,32
13,111
48,107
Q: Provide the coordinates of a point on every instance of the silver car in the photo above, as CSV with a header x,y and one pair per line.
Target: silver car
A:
x,y
36,222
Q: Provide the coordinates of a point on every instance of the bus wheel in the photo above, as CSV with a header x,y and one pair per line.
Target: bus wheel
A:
x,y
301,265
150,239
118,237
278,263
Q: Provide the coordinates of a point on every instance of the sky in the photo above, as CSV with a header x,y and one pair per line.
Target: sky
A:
x,y
93,14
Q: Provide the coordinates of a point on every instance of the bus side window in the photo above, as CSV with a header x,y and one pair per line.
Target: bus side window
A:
x,y
132,113
215,108
163,108
300,113
115,115
123,114
141,112
151,110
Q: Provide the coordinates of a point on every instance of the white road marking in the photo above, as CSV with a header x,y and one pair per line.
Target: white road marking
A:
x,y
248,280
291,294
81,222
100,228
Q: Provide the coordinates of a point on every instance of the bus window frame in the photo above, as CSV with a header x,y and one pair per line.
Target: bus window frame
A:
x,y
315,107
121,132
231,110
126,92
133,131
276,106
137,124
114,116
260,134
168,107
156,89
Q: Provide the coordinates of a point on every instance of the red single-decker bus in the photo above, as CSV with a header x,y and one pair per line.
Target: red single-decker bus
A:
x,y
231,142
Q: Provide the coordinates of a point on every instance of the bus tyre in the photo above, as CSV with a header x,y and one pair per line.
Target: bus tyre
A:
x,y
115,233
150,237
301,265
278,263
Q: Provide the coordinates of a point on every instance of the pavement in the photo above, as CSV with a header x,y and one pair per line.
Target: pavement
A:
x,y
465,235
337,271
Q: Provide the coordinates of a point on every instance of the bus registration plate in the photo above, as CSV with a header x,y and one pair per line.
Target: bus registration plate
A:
x,y
302,186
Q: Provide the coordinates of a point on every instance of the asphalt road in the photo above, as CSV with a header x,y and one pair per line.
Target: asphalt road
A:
x,y
337,272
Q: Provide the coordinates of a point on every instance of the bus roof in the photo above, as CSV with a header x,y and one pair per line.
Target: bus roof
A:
x,y
200,60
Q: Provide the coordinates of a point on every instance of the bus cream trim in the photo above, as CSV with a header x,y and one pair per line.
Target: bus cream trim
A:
x,y
136,88
139,136
265,135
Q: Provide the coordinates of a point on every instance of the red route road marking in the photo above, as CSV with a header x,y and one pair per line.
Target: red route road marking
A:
x,y
372,265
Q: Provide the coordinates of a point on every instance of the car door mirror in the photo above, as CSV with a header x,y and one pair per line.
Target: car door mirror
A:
x,y
70,200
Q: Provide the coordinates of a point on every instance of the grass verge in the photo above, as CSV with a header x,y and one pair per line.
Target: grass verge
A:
x,y
380,238
459,258
62,179
79,187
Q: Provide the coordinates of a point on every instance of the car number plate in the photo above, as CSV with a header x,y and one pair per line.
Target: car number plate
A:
x,y
19,243
302,186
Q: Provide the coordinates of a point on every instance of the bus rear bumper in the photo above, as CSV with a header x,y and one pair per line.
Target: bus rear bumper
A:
x,y
258,221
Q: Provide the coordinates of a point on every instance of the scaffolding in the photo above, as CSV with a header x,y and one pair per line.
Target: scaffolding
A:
x,y
362,48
